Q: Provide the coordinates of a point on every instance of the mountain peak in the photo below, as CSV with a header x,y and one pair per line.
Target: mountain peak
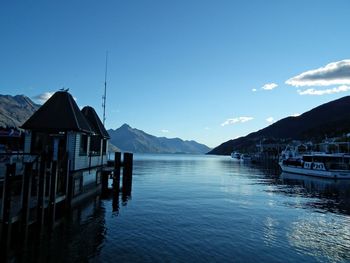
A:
x,y
134,140
125,126
15,110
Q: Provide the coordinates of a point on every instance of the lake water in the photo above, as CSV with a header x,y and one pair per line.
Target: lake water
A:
x,y
186,208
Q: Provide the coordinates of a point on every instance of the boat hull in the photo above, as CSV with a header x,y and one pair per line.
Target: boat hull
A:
x,y
334,174
236,156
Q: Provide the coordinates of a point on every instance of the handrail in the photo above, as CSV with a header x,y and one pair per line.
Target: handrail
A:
x,y
18,155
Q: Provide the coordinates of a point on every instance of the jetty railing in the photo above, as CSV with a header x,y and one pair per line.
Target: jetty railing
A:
x,y
34,186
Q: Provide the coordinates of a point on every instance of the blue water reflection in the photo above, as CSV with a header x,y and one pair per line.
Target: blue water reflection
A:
x,y
210,209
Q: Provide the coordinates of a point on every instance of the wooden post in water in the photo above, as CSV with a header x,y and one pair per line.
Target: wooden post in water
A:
x,y
70,189
116,172
6,208
41,191
127,173
67,184
116,181
26,194
53,191
104,183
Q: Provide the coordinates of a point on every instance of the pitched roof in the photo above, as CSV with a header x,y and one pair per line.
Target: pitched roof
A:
x,y
59,113
94,121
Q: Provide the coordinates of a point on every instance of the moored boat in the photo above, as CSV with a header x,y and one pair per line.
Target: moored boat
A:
x,y
236,156
246,157
335,165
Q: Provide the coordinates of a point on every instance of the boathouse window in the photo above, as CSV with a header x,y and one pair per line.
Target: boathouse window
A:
x,y
83,144
95,145
40,142
104,146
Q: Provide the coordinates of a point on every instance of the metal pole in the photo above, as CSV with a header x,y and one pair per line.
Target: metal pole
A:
x,y
105,93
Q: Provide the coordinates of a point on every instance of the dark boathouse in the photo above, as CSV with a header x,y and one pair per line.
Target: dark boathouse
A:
x,y
75,140
64,162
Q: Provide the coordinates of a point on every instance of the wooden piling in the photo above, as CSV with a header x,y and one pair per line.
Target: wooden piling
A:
x,y
6,207
116,172
127,165
6,194
53,191
49,166
26,195
70,189
104,182
127,173
115,202
116,181
41,191
67,185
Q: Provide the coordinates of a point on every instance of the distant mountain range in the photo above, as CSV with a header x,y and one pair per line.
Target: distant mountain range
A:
x,y
15,110
134,140
330,119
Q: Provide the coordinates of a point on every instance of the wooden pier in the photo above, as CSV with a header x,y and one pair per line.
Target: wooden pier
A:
x,y
47,189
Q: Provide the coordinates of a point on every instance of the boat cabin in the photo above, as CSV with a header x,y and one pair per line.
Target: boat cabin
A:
x,y
328,161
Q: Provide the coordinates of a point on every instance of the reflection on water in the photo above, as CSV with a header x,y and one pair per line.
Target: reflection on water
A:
x,y
76,238
319,235
270,231
321,193
207,209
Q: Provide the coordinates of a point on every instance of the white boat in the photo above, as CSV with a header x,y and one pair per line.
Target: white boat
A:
x,y
245,157
236,156
335,165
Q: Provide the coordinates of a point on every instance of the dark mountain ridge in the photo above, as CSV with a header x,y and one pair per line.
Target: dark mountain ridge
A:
x,y
329,119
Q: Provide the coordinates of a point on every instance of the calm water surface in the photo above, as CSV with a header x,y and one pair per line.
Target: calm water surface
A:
x,y
208,209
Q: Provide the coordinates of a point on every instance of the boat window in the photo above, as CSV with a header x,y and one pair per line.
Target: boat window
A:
x,y
307,158
318,159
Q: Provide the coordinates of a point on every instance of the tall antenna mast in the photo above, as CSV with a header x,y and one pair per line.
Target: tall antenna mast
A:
x,y
104,97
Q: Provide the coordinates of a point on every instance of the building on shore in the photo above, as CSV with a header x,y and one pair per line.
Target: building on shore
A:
x,y
75,139
268,150
64,162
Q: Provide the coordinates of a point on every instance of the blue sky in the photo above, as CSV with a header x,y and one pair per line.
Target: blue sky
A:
x,y
208,70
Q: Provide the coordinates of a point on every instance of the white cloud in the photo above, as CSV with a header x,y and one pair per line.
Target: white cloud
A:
x,y
236,120
165,131
336,73
295,114
319,92
270,120
42,98
254,90
269,86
